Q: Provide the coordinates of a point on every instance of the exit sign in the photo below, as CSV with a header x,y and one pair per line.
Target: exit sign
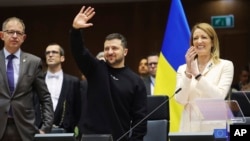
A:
x,y
224,21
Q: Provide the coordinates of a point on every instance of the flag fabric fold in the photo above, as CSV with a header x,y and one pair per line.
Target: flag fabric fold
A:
x,y
174,47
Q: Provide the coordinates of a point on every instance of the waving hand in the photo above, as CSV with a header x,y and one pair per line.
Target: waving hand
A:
x,y
82,18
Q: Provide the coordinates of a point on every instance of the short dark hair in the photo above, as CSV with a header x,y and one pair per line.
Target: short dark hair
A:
x,y
62,52
153,54
117,36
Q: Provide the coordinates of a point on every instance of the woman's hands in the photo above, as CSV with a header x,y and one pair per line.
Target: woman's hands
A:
x,y
192,67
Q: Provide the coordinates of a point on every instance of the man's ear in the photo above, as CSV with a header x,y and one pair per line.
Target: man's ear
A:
x,y
62,58
125,52
1,34
24,36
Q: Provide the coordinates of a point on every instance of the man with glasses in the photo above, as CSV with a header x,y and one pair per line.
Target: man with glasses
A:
x,y
152,67
64,90
20,74
13,32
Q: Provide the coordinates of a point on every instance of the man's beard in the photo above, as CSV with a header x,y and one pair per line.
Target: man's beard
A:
x,y
116,62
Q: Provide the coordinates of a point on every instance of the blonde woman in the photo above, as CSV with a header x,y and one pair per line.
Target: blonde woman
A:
x,y
204,76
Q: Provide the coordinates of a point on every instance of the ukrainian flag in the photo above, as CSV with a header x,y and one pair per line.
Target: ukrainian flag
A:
x,y
174,47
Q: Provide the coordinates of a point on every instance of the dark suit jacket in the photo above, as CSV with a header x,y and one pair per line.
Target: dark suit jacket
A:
x,y
30,78
147,83
68,110
84,86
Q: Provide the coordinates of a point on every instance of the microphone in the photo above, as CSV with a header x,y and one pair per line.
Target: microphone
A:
x,y
158,107
244,93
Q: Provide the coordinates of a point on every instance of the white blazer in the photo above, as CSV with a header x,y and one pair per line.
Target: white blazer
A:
x,y
215,83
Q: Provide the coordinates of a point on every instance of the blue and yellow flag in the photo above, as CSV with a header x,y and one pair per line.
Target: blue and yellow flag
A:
x,y
174,47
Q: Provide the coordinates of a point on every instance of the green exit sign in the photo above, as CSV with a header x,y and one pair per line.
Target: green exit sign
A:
x,y
225,21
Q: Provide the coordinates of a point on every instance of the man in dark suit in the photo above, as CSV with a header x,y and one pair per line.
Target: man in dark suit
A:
x,y
149,80
64,89
19,77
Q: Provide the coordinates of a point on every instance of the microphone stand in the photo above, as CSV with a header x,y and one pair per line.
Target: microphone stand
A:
x,y
246,96
148,115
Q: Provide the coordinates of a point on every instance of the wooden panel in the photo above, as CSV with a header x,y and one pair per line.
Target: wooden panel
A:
x,y
143,23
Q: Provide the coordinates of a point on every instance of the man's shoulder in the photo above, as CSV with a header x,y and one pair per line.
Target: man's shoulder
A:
x,y
29,55
70,76
30,58
146,78
132,73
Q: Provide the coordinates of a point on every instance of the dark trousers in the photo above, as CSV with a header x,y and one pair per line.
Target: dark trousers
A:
x,y
11,133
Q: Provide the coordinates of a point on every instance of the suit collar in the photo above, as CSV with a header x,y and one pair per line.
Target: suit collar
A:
x,y
208,67
17,53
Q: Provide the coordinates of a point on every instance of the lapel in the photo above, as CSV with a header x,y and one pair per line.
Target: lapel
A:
x,y
3,72
60,105
147,82
22,67
210,64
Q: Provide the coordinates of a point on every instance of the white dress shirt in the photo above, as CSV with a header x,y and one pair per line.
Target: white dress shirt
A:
x,y
54,84
152,84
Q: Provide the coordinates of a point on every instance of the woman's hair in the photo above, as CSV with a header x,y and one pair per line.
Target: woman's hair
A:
x,y
215,50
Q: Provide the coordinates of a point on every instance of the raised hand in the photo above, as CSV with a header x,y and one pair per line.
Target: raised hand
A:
x,y
82,18
190,55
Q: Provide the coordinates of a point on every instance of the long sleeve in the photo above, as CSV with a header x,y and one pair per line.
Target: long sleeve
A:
x,y
215,82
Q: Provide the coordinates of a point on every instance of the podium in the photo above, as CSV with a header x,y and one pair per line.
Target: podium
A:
x,y
227,111
213,110
218,109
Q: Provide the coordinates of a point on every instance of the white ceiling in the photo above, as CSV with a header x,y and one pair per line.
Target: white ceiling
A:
x,y
10,3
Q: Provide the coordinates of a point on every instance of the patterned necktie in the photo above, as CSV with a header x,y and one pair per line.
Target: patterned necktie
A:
x,y
10,73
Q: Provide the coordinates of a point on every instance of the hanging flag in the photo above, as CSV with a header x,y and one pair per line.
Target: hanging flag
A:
x,y
174,47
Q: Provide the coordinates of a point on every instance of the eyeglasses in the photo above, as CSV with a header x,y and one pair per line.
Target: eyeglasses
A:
x,y
153,63
53,52
13,32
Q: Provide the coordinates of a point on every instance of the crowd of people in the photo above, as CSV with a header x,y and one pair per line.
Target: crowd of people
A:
x,y
111,98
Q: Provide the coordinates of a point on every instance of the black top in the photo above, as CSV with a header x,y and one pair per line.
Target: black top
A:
x,y
116,98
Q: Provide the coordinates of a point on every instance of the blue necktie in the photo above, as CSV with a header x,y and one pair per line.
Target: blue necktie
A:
x,y
10,73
